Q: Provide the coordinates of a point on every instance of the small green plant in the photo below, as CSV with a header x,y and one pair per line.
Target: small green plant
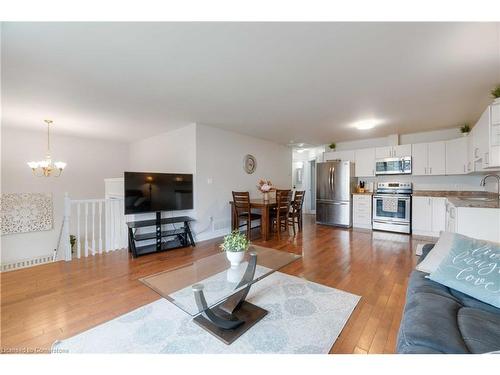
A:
x,y
496,92
72,240
332,146
235,242
465,128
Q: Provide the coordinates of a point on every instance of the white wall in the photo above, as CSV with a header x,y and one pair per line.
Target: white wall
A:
x,y
172,152
219,170
89,162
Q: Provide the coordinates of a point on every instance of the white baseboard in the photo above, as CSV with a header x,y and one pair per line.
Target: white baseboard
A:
x,y
25,263
212,234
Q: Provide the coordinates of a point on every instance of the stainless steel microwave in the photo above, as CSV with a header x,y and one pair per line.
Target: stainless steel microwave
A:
x,y
393,166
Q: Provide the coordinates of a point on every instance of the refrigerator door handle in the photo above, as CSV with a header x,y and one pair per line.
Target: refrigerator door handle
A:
x,y
330,178
333,178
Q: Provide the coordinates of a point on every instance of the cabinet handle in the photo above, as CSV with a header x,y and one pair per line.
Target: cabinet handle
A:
x,y
425,170
430,170
464,168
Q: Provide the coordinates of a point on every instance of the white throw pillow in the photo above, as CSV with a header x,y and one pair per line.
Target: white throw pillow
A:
x,y
437,254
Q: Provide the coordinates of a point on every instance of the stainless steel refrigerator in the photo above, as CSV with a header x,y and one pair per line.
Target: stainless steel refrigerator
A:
x,y
335,183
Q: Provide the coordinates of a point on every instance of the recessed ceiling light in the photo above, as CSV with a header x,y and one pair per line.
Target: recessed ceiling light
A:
x,y
367,124
301,150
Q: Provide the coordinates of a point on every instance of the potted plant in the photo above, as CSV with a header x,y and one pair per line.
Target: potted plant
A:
x,y
332,146
265,186
465,129
235,244
72,241
495,93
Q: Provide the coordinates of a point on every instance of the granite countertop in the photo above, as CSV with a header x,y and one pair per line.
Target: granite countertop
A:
x,y
460,198
464,202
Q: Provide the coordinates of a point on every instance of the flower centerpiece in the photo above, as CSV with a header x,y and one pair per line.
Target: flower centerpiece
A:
x,y
265,186
235,244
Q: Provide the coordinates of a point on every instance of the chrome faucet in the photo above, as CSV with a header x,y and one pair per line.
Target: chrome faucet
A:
x,y
483,182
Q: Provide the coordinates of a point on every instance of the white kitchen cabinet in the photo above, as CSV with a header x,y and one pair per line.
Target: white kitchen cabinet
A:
x,y
421,215
428,216
480,223
451,213
383,152
339,155
393,151
419,159
485,154
402,151
456,156
437,158
438,215
494,136
362,211
365,162
429,159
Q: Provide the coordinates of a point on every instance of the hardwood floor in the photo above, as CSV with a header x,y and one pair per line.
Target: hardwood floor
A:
x,y
42,304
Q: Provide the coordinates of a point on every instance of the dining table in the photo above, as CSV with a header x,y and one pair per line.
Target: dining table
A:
x,y
264,206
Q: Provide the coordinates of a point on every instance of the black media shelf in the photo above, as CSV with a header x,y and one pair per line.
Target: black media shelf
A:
x,y
164,239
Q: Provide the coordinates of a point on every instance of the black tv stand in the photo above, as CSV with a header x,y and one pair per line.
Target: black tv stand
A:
x,y
175,238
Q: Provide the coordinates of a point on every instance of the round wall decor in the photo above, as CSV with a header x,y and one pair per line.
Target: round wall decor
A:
x,y
249,163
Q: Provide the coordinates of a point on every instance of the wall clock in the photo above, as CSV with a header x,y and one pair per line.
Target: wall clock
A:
x,y
249,163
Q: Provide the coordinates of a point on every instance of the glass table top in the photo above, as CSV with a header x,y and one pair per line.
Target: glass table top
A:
x,y
218,279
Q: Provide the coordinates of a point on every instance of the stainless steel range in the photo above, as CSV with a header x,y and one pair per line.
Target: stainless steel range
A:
x,y
392,207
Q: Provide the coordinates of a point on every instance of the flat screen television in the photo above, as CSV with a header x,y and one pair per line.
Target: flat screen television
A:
x,y
154,192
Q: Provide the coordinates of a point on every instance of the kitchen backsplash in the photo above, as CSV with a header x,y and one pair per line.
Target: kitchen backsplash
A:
x,y
460,183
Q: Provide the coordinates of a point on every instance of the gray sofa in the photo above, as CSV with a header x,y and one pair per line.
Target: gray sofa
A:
x,y
438,319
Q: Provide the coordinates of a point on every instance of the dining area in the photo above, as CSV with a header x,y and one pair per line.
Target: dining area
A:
x,y
278,211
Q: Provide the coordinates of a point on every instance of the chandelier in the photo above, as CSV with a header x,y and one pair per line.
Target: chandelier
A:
x,y
46,167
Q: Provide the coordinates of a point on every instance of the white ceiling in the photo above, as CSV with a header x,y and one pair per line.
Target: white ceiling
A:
x,y
306,82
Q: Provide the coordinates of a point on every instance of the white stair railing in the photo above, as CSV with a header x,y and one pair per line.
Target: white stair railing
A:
x,y
97,224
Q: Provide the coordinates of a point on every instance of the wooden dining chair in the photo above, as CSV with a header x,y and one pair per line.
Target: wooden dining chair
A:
x,y
295,216
243,212
279,216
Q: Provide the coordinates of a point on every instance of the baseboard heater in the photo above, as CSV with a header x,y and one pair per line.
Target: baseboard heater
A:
x,y
25,263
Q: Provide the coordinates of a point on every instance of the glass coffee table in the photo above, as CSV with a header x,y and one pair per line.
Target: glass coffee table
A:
x,y
214,292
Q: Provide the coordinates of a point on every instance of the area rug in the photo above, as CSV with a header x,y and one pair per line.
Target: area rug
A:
x,y
304,317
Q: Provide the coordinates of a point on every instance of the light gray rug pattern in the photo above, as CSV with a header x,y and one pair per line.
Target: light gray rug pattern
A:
x,y
304,317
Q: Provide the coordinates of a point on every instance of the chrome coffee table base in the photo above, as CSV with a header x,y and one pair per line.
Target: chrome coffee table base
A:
x,y
231,318
247,314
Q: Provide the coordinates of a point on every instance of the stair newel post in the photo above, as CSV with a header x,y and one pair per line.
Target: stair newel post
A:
x,y
66,234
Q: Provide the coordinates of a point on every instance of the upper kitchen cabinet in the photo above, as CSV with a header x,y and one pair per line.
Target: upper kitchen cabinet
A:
x,y
393,151
339,155
485,151
437,158
428,159
494,159
456,156
419,159
365,162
